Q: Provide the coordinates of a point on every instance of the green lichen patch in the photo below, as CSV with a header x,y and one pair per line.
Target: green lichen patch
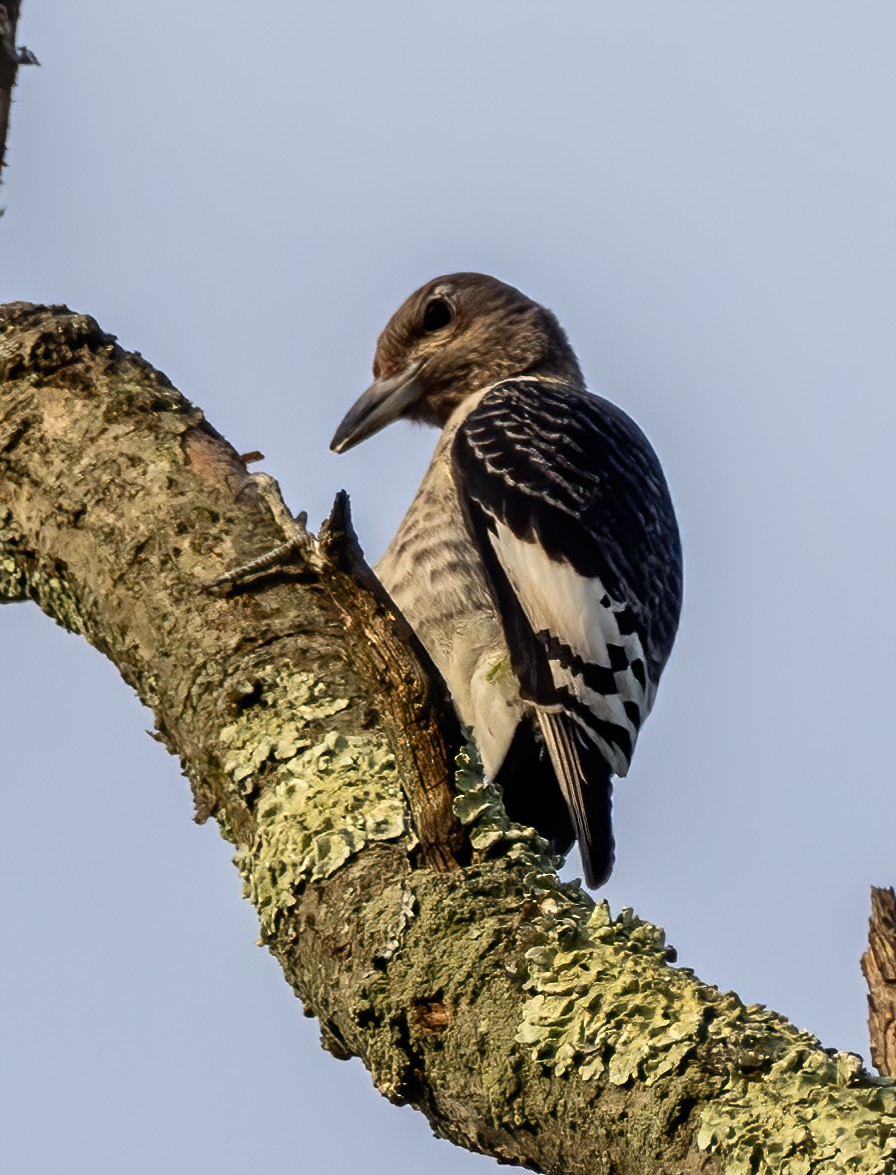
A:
x,y
640,1020
272,731
835,1118
606,1005
478,804
335,797
324,797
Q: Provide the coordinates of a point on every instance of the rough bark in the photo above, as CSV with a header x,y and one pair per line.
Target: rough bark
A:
x,y
523,1019
879,969
11,57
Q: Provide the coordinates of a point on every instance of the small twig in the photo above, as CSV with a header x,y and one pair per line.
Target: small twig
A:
x,y
879,969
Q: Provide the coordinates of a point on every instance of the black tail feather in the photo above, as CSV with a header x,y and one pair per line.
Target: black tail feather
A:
x,y
599,856
533,796
531,793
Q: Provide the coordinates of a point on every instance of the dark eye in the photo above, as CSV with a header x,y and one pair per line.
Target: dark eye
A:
x,y
438,313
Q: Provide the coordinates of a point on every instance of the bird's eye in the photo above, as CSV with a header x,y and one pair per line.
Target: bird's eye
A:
x,y
438,313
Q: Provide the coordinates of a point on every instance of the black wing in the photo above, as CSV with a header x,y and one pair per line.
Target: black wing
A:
x,y
569,507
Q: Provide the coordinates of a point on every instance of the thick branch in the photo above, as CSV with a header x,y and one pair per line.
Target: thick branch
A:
x,y
879,969
520,1017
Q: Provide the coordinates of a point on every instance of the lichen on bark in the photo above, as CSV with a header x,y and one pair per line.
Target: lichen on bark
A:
x,y
323,800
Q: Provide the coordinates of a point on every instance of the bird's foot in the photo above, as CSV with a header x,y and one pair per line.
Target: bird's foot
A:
x,y
299,547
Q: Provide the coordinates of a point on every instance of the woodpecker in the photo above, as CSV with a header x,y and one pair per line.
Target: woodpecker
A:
x,y
540,561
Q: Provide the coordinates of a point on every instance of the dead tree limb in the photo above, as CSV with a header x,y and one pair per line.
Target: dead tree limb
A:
x,y
11,57
879,969
524,1020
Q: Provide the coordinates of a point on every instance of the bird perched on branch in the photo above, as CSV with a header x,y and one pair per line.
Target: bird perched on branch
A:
x,y
539,563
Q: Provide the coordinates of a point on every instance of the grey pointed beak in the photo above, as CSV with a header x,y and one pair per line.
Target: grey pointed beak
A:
x,y
384,401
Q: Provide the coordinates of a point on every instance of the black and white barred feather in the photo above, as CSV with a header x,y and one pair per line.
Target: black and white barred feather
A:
x,y
567,503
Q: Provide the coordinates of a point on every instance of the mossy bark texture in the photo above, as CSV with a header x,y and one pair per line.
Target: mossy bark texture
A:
x,y
430,937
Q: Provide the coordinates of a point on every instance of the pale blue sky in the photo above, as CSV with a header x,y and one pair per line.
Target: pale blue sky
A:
x,y
705,195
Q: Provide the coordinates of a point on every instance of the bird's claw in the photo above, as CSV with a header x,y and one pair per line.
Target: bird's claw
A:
x,y
300,545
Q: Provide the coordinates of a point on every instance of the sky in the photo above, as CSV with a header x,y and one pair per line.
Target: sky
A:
x,y
704,193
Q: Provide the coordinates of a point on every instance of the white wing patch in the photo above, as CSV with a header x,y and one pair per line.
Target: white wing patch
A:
x,y
578,614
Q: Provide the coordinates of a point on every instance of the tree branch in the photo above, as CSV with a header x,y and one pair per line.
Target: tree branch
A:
x,y
11,57
524,1020
879,969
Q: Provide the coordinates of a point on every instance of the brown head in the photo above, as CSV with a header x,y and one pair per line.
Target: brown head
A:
x,y
453,337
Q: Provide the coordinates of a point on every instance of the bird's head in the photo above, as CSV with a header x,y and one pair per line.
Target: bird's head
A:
x,y
451,338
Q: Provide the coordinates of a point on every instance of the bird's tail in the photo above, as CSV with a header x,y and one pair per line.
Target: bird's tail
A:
x,y
584,779
531,793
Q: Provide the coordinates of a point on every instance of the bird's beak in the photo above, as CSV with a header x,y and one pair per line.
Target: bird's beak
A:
x,y
384,401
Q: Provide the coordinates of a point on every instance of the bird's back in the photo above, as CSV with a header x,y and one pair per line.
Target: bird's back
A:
x,y
571,516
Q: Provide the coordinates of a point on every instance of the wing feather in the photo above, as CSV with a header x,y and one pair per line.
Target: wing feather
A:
x,y
572,516
568,506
